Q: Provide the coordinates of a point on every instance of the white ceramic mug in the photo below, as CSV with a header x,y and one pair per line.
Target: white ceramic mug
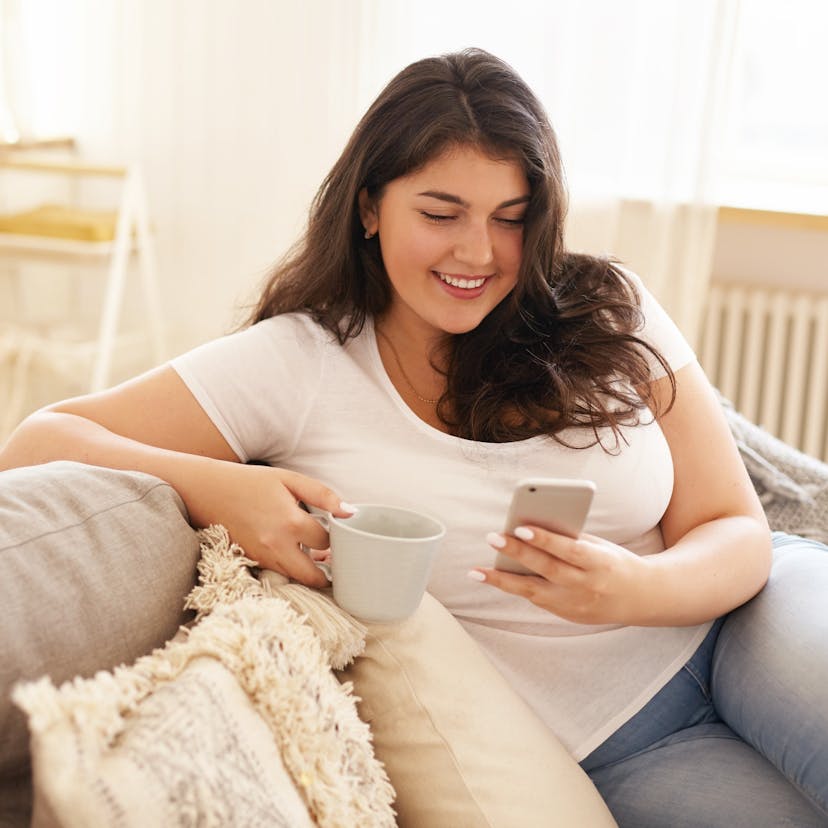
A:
x,y
381,559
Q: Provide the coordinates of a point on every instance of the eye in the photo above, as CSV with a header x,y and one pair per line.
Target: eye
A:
x,y
514,223
436,218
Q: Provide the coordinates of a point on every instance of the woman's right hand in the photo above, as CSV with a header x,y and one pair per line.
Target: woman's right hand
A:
x,y
259,507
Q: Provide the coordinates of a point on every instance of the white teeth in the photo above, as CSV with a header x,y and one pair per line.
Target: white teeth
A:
x,y
467,284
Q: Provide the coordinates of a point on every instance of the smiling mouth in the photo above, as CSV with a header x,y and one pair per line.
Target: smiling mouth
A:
x,y
462,281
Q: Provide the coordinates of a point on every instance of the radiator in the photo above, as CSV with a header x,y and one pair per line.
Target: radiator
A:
x,y
767,352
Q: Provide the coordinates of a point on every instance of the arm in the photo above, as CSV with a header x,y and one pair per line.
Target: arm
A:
x,y
718,548
154,424
717,553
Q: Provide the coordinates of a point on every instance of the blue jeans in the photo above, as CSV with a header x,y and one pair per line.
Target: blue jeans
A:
x,y
739,737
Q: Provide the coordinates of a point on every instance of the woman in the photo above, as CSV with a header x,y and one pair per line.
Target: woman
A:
x,y
429,342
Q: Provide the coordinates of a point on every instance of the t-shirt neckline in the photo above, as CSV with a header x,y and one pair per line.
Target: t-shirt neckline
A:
x,y
421,425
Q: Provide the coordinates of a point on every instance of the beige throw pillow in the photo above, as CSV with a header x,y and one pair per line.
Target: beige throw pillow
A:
x,y
238,721
461,748
194,751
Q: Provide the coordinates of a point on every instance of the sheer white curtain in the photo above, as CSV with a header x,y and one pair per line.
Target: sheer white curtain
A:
x,y
9,129
236,110
635,91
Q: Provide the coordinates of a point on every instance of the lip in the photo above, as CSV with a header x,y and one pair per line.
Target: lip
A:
x,y
458,292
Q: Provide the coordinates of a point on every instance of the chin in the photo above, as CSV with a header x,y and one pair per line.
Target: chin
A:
x,y
457,327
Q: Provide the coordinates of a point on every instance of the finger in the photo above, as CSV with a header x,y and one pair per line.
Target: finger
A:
x,y
300,567
541,593
320,555
540,561
517,550
280,549
525,586
316,494
562,547
310,532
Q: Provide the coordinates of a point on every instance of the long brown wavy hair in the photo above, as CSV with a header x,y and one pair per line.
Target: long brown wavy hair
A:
x,y
562,349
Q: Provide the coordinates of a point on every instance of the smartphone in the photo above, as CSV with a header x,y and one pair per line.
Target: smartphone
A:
x,y
556,504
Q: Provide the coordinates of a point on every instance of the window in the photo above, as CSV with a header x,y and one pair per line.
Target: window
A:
x,y
775,152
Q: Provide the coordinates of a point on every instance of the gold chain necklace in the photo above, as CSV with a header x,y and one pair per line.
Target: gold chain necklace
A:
x,y
402,370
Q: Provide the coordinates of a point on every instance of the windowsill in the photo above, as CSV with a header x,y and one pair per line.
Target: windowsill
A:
x,y
773,218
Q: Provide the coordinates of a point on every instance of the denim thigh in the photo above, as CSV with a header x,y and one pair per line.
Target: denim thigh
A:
x,y
745,721
702,777
770,667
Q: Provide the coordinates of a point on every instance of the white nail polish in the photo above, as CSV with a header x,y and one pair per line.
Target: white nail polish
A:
x,y
474,575
346,507
524,534
496,540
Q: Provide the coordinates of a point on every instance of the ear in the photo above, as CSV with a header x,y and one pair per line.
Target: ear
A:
x,y
368,213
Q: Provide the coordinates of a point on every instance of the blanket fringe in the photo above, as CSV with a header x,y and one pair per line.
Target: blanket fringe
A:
x,y
225,575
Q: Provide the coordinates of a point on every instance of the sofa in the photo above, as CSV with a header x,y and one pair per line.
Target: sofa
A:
x,y
151,674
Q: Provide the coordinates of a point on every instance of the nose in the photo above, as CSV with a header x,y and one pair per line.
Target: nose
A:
x,y
474,246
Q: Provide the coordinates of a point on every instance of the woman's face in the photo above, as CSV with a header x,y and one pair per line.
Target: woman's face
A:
x,y
451,236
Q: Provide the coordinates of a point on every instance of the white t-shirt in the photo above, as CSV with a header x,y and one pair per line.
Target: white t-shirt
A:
x,y
285,392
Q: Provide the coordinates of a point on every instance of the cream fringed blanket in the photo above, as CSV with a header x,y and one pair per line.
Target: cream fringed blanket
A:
x,y
224,576
237,721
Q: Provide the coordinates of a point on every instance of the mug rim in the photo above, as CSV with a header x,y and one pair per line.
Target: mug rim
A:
x,y
343,523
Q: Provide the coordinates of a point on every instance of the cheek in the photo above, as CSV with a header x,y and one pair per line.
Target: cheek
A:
x,y
411,251
512,253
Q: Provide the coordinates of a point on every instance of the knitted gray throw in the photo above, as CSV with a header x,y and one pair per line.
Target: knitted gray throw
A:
x,y
792,486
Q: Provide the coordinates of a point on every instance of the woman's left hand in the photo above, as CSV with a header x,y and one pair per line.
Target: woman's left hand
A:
x,y
587,580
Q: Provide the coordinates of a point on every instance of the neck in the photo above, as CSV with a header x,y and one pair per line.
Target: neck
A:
x,y
411,361
413,336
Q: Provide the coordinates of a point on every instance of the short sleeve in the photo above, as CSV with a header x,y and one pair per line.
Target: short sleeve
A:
x,y
661,332
257,385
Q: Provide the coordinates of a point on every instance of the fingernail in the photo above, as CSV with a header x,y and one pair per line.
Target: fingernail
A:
x,y
475,575
346,507
524,533
496,540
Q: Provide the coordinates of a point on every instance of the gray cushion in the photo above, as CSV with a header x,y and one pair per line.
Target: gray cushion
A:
x,y
792,486
96,564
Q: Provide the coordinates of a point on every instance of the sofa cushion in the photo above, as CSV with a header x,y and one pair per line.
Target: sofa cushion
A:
x,y
460,746
96,566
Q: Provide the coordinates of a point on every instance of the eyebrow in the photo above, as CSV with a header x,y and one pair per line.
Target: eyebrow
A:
x,y
453,199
